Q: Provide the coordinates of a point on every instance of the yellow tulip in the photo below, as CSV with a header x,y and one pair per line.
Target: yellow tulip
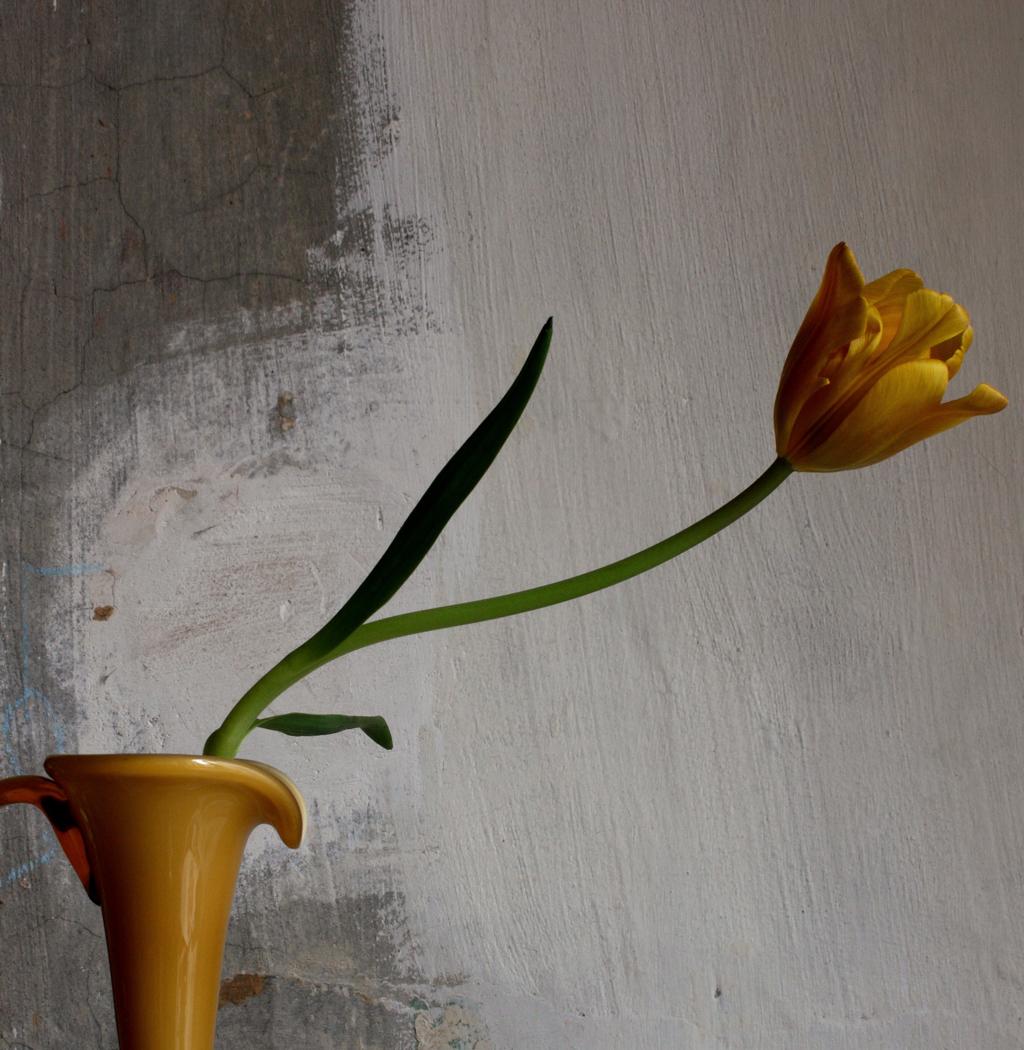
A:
x,y
867,371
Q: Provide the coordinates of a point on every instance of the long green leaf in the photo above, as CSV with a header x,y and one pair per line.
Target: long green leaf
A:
x,y
416,536
442,499
299,724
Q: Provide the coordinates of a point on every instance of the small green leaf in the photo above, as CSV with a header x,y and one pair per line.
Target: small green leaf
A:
x,y
299,724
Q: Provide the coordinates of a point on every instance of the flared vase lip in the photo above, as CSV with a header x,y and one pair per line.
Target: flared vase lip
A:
x,y
142,764
144,758
289,813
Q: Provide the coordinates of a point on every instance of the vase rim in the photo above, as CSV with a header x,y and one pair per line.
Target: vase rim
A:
x,y
142,763
150,755
288,803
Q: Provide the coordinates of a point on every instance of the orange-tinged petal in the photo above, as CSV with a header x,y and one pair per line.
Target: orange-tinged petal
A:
x,y
836,317
891,406
984,400
888,295
827,407
896,285
929,318
864,347
952,351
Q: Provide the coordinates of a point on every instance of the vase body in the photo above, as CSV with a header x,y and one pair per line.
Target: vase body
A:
x,y
157,841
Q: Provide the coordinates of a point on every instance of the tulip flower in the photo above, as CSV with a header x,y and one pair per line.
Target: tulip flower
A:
x,y
868,369
864,379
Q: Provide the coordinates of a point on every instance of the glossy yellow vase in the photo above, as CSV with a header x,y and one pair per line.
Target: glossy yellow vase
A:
x,y
157,841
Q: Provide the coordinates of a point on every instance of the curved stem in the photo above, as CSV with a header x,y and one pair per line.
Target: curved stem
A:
x,y
243,716
575,586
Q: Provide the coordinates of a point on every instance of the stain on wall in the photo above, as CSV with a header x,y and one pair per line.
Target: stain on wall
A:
x,y
186,227
452,1027
327,1016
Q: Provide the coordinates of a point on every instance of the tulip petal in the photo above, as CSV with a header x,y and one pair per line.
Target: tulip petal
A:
x,y
827,405
983,400
952,351
888,295
894,284
929,318
899,400
836,317
860,351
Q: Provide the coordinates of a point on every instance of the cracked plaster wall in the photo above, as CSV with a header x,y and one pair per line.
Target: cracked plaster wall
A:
x,y
262,267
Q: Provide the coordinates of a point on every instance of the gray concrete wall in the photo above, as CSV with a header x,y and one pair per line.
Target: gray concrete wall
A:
x,y
264,265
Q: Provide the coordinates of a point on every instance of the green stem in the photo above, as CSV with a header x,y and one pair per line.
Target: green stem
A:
x,y
243,715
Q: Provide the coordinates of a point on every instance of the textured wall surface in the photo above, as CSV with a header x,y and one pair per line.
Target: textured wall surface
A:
x,y
263,265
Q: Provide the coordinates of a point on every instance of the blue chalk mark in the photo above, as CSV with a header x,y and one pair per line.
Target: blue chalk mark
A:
x,y
21,870
62,570
29,694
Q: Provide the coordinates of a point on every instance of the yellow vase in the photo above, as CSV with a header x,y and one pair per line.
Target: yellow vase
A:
x,y
157,841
